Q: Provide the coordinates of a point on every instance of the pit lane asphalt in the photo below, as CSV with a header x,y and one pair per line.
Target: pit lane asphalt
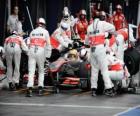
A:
x,y
66,103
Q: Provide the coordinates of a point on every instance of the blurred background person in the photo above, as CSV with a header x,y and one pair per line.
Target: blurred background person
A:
x,y
81,25
12,22
118,18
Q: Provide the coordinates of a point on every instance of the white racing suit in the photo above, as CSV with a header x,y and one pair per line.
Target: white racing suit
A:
x,y
111,44
39,49
71,22
60,40
68,22
117,69
13,47
121,38
96,39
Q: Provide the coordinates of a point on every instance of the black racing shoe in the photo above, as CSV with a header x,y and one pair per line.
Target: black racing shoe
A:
x,y
12,87
114,90
109,92
40,91
93,92
17,86
29,92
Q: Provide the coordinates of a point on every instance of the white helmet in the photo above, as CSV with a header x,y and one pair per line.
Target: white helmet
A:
x,y
64,26
83,12
41,21
83,54
119,7
66,9
102,13
66,15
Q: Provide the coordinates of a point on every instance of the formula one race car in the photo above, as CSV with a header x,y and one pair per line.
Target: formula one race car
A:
x,y
64,73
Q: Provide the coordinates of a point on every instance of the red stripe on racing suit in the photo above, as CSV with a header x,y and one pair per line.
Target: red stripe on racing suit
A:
x,y
123,33
115,67
96,40
13,40
54,42
112,40
38,42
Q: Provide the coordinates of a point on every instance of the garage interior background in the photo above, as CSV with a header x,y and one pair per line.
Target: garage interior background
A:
x,y
51,10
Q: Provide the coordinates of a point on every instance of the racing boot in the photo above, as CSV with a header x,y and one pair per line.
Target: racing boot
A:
x,y
40,91
114,90
12,87
29,92
17,86
109,92
93,92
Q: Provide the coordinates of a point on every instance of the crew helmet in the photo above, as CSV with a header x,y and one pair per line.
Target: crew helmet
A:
x,y
83,54
64,26
41,21
82,12
119,7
